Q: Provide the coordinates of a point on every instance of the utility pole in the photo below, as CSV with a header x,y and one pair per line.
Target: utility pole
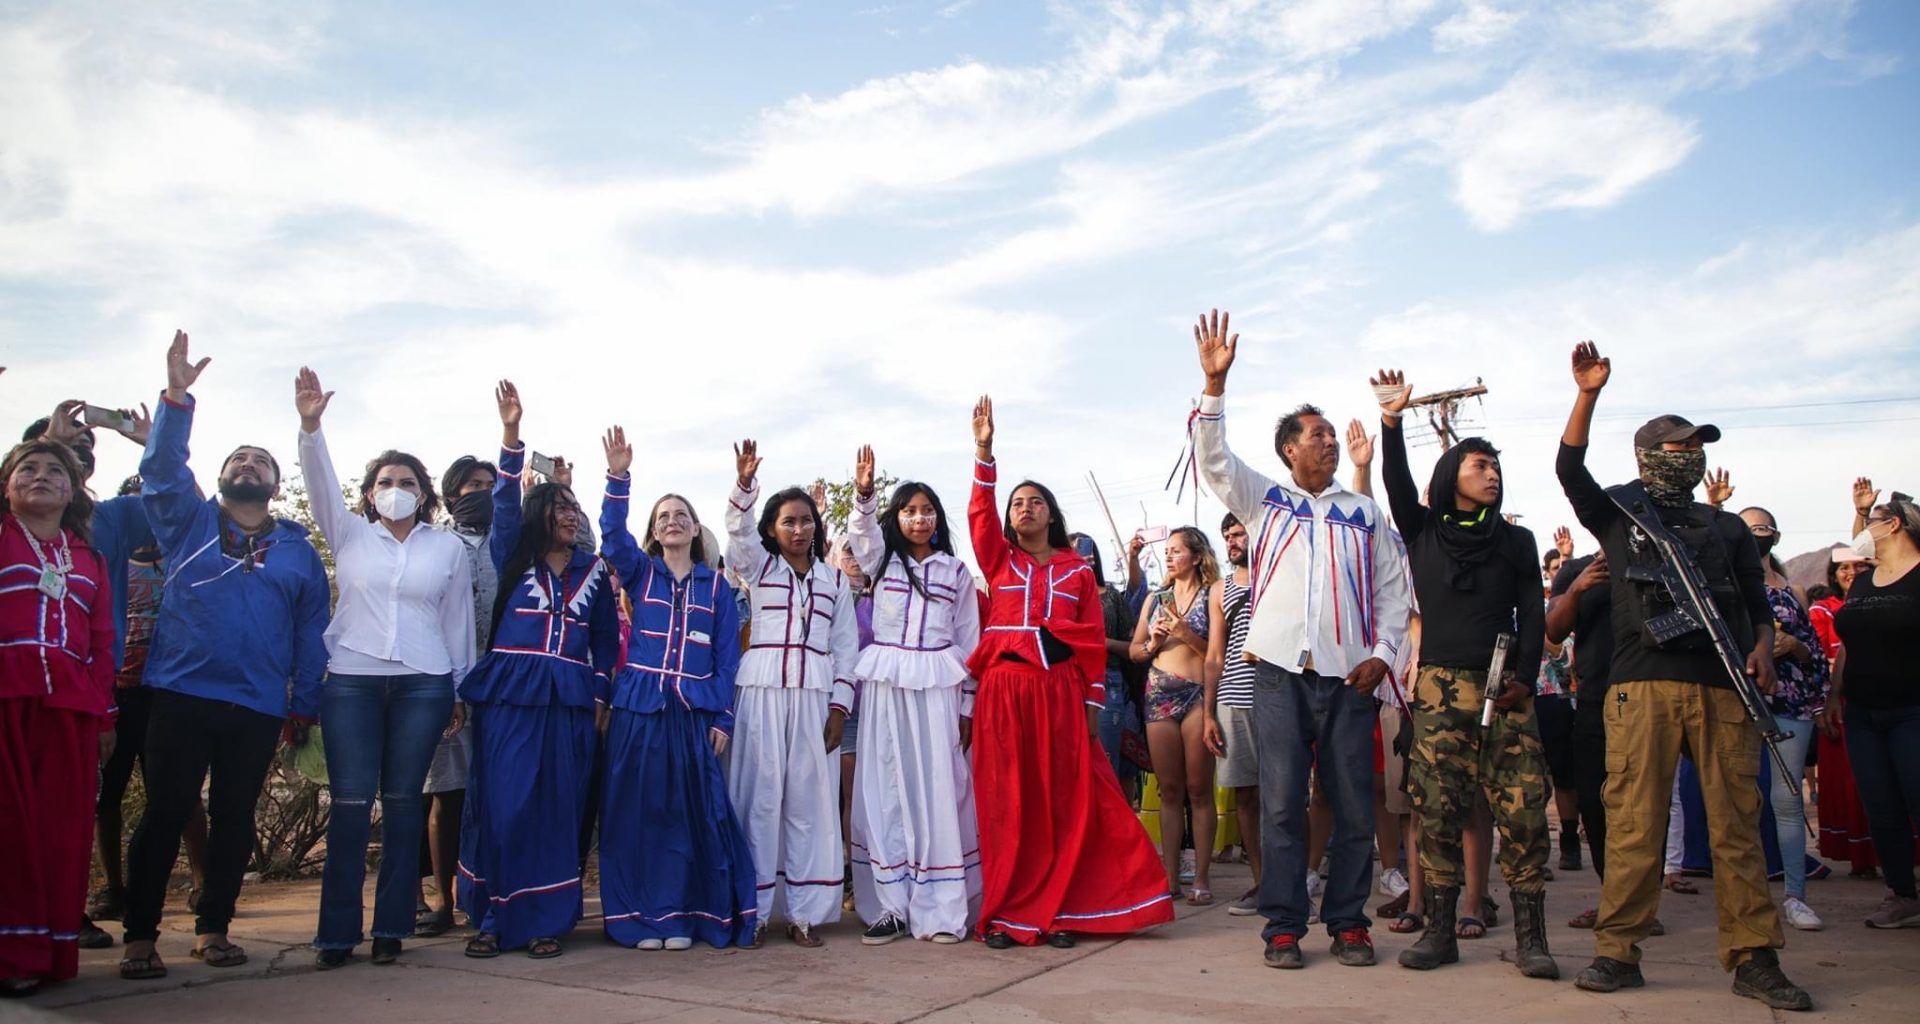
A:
x,y
1442,410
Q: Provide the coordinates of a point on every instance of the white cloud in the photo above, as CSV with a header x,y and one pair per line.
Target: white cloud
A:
x,y
1478,24
1534,145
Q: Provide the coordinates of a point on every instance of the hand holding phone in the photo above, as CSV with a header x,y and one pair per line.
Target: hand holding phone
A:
x,y
541,464
112,419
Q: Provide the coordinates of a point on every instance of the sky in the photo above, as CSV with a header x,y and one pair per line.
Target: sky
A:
x,y
821,225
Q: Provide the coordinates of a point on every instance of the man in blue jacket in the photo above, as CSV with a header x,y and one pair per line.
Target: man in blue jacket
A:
x,y
238,650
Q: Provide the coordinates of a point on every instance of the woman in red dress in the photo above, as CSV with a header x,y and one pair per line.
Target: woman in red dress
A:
x,y
1060,849
56,683
1843,819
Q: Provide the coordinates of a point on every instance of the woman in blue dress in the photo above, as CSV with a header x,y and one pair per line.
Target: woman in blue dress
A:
x,y
674,863
534,701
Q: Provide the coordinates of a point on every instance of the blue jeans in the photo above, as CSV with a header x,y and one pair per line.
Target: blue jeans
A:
x,y
1300,720
380,733
1116,717
1789,816
1884,747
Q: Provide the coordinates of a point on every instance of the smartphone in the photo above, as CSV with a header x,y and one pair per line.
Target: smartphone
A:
x,y
112,419
541,464
1154,534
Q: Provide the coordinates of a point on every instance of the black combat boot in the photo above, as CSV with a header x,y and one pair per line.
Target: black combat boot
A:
x,y
1437,945
1530,936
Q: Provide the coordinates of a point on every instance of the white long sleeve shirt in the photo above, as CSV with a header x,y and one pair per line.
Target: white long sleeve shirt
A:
x,y
922,637
1329,586
405,606
803,632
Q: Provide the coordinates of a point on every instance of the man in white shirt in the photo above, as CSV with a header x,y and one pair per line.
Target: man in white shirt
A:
x,y
1330,605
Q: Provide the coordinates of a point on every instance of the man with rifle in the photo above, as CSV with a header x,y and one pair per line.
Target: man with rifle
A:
x,y
1677,687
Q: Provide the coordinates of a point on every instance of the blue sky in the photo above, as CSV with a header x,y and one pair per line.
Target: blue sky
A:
x,y
823,224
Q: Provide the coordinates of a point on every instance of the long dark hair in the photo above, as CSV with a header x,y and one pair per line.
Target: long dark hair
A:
x,y
536,539
942,540
651,544
1056,530
770,513
78,516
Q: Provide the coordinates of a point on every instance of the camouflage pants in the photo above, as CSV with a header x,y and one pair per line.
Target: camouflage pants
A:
x,y
1455,763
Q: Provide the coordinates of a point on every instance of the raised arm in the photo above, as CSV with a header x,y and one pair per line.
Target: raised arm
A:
x,y
983,511
1865,496
1360,453
863,527
508,514
744,553
617,544
168,492
1237,485
1403,495
330,512
1589,500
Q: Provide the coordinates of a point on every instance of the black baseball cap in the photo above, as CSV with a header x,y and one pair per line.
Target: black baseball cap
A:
x,y
1669,428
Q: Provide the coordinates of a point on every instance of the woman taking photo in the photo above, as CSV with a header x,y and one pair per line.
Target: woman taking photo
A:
x,y
56,687
916,856
1060,850
400,641
803,644
674,864
533,700
1183,636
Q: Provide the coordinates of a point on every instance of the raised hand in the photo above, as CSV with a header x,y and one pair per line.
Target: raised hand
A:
x,y
1392,402
562,472
746,463
1217,348
507,397
1590,369
1563,542
863,471
1359,445
619,452
64,425
182,371
983,424
1719,488
817,490
310,399
140,425
1865,496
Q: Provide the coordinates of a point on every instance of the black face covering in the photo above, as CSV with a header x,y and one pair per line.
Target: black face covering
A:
x,y
1468,538
474,511
1766,543
234,490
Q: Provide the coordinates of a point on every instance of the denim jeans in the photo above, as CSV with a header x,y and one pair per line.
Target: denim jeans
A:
x,y
1789,812
380,733
1116,717
1303,722
1884,747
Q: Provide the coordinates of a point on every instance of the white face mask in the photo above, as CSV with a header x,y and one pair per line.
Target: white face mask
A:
x,y
394,504
1863,542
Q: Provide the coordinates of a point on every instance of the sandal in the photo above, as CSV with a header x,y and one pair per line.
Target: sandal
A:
x,y
432,924
543,949
1585,919
758,938
1470,928
142,968
1395,906
1407,923
1679,884
484,946
802,936
219,954
1198,897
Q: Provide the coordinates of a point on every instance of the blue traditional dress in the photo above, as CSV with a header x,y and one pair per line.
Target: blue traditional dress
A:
x,y
531,703
674,862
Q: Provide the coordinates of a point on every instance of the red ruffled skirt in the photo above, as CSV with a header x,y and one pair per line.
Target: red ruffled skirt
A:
x,y
1060,849
49,767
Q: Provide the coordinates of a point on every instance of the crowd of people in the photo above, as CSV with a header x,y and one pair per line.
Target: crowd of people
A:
x,y
516,694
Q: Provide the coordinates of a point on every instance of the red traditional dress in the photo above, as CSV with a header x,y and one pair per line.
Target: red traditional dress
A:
x,y
1060,849
56,685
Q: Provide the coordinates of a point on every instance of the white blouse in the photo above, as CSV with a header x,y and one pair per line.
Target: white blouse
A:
x,y
404,606
921,637
803,630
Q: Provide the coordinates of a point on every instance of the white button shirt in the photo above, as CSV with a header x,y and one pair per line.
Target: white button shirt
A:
x,y
803,631
1329,584
403,602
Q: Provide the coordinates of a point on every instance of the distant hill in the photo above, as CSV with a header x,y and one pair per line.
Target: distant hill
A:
x,y
1810,569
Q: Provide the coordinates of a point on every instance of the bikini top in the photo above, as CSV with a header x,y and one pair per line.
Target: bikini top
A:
x,y
1196,616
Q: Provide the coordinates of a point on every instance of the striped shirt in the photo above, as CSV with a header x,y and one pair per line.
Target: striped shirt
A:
x,y
1236,677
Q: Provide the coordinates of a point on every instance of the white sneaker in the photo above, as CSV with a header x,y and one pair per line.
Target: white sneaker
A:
x,y
1186,866
1316,886
1393,883
679,942
1799,915
651,944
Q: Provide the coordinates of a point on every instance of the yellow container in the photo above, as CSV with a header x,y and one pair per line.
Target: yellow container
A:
x,y
1226,831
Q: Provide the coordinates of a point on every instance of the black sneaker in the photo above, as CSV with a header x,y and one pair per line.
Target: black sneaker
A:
x,y
92,937
1605,974
386,951
328,959
1283,951
1761,978
1061,940
997,939
1353,946
883,931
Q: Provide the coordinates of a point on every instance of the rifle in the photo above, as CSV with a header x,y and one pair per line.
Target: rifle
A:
x,y
1694,611
1496,676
